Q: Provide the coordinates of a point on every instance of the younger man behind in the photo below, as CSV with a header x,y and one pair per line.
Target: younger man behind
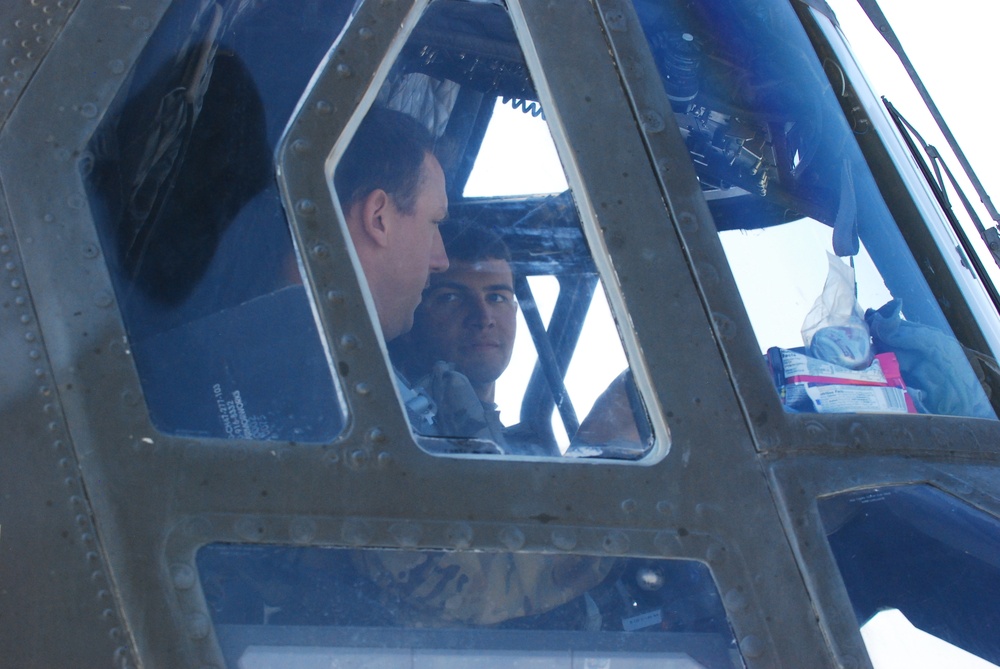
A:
x,y
466,323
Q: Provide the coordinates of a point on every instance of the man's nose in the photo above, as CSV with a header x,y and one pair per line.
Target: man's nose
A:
x,y
439,257
479,313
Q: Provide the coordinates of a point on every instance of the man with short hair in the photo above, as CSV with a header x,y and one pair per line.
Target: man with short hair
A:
x,y
467,318
466,323
392,193
468,314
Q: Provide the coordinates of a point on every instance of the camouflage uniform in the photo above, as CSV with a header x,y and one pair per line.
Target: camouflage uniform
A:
x,y
458,415
431,589
461,415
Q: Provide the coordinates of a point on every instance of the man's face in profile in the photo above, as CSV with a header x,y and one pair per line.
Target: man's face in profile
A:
x,y
415,248
468,317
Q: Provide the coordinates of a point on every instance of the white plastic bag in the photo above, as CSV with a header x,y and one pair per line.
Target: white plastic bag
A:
x,y
834,329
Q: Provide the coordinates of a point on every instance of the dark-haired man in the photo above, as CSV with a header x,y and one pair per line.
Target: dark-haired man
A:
x,y
468,314
466,323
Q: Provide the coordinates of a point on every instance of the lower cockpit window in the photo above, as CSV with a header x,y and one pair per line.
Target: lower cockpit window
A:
x,y
320,607
922,571
841,310
183,195
489,298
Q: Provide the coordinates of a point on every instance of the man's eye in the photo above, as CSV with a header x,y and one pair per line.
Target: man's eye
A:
x,y
446,298
498,298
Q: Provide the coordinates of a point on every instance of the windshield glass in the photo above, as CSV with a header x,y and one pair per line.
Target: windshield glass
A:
x,y
840,306
486,288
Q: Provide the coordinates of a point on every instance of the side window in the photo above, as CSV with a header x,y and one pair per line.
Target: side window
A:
x,y
839,306
183,194
473,249
917,562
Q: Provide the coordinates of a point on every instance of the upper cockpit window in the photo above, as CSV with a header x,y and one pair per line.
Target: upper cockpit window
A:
x,y
184,198
455,103
839,305
502,166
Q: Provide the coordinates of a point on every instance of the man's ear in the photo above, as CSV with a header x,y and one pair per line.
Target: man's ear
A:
x,y
375,212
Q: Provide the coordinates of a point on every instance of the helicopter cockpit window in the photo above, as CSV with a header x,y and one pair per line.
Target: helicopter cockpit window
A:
x,y
493,239
306,607
183,194
840,308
